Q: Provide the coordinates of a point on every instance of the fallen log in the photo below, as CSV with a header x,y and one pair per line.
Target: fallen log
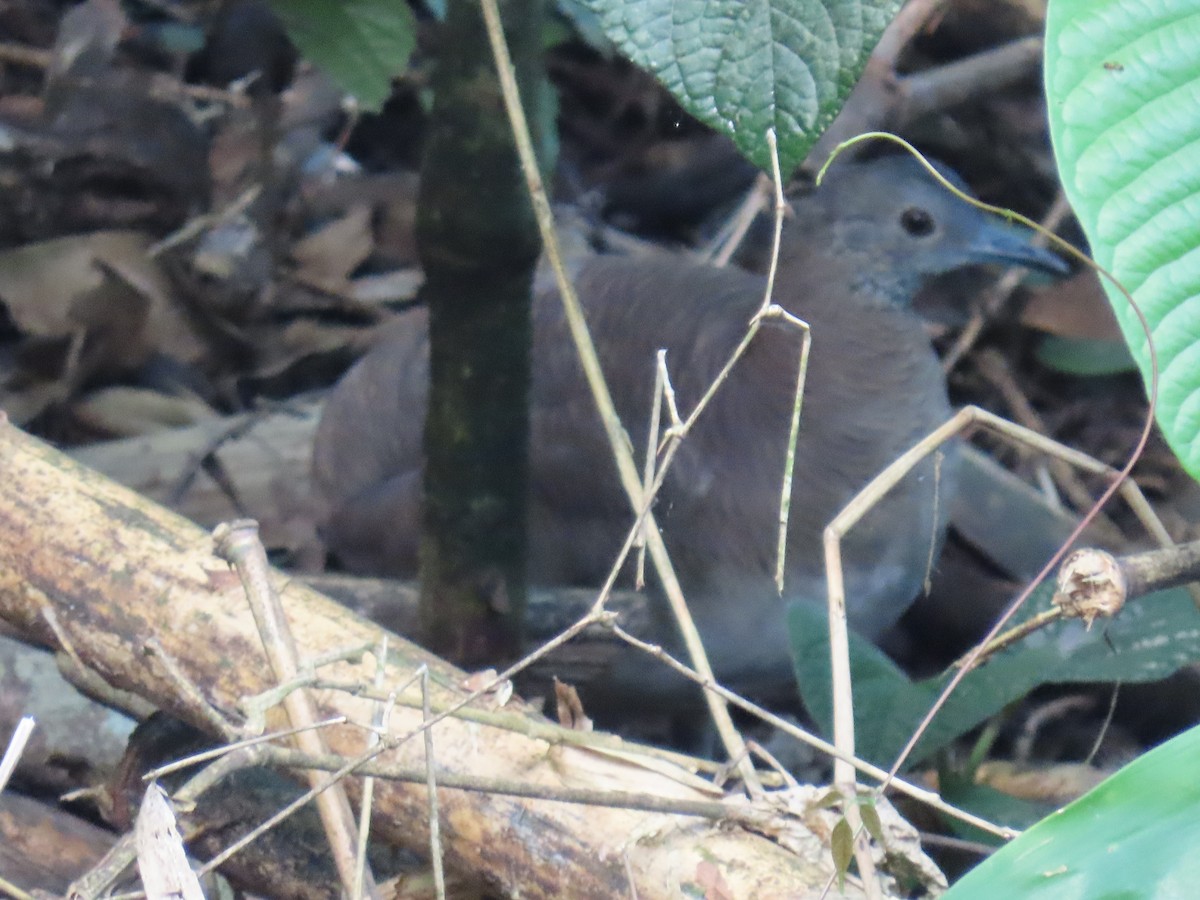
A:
x,y
135,593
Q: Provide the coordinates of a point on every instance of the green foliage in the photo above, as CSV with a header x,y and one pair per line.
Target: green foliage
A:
x,y
741,66
1148,641
1134,835
361,44
744,66
841,845
1083,356
1123,89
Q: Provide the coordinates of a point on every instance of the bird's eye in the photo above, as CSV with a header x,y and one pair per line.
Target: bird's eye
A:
x,y
917,222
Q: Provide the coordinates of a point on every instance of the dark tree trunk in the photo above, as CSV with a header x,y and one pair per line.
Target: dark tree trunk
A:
x,y
479,245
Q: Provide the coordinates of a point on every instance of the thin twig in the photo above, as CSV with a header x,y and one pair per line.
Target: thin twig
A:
x,y
16,747
1104,727
204,756
789,465
435,827
721,249
238,544
1003,288
189,695
382,715
657,400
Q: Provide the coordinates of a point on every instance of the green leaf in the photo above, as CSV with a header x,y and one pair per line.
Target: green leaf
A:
x,y
744,66
841,842
1149,640
871,822
1134,835
1123,90
361,44
1081,356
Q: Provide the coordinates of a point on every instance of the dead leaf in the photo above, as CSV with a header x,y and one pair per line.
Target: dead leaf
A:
x,y
233,157
281,348
387,287
105,278
329,254
478,680
1059,783
132,412
27,397
570,707
1075,308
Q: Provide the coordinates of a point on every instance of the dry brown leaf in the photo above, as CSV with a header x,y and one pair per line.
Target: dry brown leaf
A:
x,y
387,287
1075,308
1059,783
712,882
570,707
280,349
131,412
87,38
233,157
50,290
332,252
478,680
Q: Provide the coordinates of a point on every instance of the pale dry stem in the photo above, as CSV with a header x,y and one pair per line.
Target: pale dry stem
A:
x,y
380,721
238,543
16,747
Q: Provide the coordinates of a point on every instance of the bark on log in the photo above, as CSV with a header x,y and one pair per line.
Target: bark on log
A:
x,y
88,566
44,848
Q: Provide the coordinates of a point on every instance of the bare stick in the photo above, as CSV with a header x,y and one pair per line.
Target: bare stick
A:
x,y
158,773
382,713
656,404
789,466
721,249
16,746
239,545
1003,288
435,828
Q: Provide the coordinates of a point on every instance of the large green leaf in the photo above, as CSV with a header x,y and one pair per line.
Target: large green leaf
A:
x,y
361,44
743,66
1134,835
1123,88
1149,640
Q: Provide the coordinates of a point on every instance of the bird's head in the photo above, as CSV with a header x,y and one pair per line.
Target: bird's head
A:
x,y
892,225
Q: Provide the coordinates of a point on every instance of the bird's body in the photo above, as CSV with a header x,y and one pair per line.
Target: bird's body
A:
x,y
874,388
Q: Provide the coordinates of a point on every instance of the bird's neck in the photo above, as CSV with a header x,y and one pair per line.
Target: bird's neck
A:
x,y
875,282
884,288
816,253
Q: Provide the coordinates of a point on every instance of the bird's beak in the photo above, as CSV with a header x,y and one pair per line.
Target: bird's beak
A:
x,y
999,242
